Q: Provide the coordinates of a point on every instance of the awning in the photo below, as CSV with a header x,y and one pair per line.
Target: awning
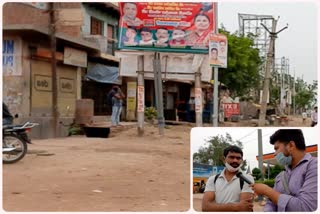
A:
x,y
104,74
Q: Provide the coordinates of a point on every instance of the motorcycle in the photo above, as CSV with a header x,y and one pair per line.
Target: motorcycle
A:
x,y
14,141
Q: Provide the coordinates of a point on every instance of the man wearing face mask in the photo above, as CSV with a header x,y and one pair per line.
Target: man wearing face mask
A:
x,y
296,188
225,191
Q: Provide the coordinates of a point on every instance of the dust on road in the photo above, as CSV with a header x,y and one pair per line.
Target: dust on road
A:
x,y
121,173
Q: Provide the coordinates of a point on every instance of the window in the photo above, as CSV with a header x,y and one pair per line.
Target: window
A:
x,y
111,39
96,26
110,32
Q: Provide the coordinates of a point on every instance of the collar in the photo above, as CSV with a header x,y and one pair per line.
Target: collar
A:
x,y
307,157
222,175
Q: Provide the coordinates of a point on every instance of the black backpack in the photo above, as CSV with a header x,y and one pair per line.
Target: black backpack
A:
x,y
109,97
241,181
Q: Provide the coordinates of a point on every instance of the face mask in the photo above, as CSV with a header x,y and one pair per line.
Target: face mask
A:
x,y
283,160
231,168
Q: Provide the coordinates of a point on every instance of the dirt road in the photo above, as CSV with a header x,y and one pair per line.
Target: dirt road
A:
x,y
121,173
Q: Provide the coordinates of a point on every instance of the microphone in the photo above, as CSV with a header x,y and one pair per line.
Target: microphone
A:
x,y
242,177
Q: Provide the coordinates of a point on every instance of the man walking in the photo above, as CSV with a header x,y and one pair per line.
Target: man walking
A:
x,y
225,191
296,188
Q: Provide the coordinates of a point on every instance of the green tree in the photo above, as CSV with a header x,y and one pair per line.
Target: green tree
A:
x,y
275,170
212,151
306,94
256,173
242,73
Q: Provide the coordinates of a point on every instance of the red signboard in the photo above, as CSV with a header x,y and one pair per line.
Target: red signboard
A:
x,y
231,109
166,26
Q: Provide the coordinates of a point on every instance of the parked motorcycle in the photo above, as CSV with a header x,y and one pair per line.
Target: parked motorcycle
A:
x,y
14,141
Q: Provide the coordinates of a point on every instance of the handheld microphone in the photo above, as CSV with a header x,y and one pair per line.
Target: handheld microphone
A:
x,y
242,177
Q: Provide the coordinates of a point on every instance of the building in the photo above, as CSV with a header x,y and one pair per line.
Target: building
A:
x,y
85,39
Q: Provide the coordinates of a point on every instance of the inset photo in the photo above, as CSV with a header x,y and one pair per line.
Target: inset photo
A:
x,y
254,170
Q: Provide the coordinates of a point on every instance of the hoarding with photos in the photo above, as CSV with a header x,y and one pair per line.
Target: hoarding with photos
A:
x,y
166,26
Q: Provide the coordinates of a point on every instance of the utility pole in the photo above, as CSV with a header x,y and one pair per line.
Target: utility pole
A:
x,y
294,92
52,32
215,115
260,152
140,111
270,59
158,90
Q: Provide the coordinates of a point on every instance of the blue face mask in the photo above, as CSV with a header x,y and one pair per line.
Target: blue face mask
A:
x,y
283,160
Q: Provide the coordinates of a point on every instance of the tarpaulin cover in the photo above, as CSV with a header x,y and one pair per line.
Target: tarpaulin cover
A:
x,y
103,73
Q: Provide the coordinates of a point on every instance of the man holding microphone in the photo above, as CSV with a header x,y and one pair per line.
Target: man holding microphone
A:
x,y
296,188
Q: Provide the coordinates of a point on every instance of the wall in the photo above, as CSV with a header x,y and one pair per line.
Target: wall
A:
x,y
70,18
14,85
26,15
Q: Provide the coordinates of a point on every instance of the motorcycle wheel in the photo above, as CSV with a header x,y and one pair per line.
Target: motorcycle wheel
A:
x,y
20,148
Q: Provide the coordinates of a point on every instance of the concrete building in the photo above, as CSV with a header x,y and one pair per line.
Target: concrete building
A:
x,y
85,34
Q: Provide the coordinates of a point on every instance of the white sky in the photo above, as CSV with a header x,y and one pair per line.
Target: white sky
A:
x,y
249,138
298,42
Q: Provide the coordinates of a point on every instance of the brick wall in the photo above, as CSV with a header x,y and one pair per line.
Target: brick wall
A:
x,y
17,13
68,15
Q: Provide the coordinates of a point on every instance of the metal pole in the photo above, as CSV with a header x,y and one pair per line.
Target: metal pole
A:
x,y
260,152
141,99
198,98
294,92
159,93
216,81
55,111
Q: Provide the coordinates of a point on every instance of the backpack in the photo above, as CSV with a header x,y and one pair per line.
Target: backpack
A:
x,y
109,97
241,181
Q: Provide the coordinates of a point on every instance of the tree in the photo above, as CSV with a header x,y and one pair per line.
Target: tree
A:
x,y
275,170
256,173
212,151
242,73
306,94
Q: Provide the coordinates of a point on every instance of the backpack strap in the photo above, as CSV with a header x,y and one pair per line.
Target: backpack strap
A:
x,y
285,184
241,181
215,178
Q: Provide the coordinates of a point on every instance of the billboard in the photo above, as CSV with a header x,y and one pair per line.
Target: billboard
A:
x,y
231,109
166,26
205,170
218,51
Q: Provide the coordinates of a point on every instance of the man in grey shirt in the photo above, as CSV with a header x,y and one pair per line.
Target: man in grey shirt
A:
x,y
225,192
296,188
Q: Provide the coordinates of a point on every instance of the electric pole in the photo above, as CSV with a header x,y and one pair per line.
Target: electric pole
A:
x,y
260,153
270,59
52,32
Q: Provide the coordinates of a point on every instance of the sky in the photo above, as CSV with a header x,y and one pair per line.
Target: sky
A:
x,y
298,42
249,138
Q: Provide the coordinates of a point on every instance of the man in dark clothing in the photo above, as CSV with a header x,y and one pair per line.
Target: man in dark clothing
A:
x,y
7,118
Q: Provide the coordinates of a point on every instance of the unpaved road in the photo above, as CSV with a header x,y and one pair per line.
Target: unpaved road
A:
x,y
120,173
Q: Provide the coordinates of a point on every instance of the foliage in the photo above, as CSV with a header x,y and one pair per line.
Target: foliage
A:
x,y
212,151
306,94
150,113
256,173
242,73
270,182
275,170
75,130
